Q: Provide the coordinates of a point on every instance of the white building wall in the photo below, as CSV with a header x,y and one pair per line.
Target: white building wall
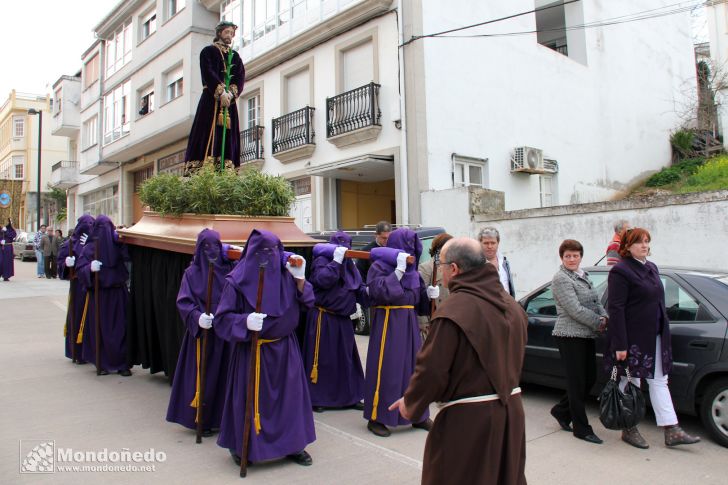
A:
x,y
531,241
607,123
717,22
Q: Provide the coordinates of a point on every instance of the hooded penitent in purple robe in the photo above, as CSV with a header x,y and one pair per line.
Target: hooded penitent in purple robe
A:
x,y
206,134
113,295
387,378
191,302
76,291
333,367
283,407
7,257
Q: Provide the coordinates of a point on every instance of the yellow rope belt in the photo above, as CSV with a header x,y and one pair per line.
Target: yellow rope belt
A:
x,y
314,369
79,339
196,400
257,380
386,309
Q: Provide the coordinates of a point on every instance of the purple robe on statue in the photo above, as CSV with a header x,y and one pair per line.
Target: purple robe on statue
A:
x,y
338,378
403,339
113,295
284,405
191,302
212,67
77,291
7,256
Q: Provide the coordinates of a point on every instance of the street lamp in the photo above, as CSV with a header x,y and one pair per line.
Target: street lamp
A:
x,y
33,111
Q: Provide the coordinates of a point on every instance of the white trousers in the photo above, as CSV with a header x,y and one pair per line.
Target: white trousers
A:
x,y
659,392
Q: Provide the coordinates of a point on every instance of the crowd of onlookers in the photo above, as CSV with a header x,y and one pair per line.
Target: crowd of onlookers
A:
x,y
47,243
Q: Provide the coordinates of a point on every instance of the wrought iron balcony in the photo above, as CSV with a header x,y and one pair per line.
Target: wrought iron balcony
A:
x,y
294,131
64,174
354,111
251,144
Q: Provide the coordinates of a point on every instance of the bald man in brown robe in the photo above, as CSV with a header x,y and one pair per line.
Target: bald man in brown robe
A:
x,y
471,364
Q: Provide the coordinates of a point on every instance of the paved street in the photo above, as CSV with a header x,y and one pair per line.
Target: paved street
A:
x,y
45,397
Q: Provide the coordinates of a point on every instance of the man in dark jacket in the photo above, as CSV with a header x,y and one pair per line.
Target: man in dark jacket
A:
x,y
381,234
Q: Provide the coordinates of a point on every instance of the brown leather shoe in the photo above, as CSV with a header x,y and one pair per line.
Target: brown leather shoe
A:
x,y
633,437
675,435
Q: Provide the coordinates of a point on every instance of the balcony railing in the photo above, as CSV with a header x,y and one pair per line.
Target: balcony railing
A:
x,y
251,144
64,174
352,110
293,130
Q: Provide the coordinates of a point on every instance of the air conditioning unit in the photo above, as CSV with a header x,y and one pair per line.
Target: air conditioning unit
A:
x,y
527,160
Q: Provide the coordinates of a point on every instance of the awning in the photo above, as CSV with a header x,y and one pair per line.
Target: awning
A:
x,y
367,168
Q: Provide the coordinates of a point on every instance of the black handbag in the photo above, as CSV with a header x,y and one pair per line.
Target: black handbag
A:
x,y
621,410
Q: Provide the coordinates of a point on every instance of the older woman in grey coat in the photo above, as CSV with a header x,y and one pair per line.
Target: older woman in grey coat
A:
x,y
580,317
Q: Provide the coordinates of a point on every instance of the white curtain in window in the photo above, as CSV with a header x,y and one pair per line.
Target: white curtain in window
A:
x,y
358,66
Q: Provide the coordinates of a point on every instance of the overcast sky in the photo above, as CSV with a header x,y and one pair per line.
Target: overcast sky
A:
x,y
42,40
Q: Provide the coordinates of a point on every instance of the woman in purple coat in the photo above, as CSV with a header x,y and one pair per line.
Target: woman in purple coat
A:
x,y
77,293
191,303
639,333
7,257
282,418
104,255
336,378
397,295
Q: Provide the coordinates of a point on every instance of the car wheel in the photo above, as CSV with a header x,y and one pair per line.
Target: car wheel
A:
x,y
714,411
361,326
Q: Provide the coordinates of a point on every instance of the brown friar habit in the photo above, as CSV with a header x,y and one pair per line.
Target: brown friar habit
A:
x,y
475,348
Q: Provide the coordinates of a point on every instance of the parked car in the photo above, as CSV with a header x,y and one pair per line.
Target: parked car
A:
x,y
362,237
23,246
697,306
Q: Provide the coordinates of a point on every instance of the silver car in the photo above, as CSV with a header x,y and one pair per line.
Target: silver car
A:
x,y
23,246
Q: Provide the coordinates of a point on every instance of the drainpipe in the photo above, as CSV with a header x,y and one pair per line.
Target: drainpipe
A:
x,y
403,172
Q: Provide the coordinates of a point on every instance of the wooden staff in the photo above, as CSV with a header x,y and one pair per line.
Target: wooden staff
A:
x,y
71,305
203,357
234,254
251,378
97,313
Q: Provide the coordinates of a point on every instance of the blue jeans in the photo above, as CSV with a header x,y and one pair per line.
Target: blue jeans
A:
x,y
40,270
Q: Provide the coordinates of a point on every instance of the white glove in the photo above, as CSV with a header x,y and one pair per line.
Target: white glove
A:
x,y
205,320
2,241
298,272
357,314
339,254
255,321
96,266
402,262
70,261
83,238
433,292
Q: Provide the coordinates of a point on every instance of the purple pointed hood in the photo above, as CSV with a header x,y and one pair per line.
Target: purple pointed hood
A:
x,y
103,233
208,250
406,240
349,272
84,225
264,249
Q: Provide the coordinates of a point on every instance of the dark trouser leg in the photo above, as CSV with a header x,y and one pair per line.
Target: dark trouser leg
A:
x,y
54,269
47,266
577,355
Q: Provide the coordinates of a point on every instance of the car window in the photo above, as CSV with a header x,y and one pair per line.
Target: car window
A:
x,y
426,245
542,303
681,306
599,280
